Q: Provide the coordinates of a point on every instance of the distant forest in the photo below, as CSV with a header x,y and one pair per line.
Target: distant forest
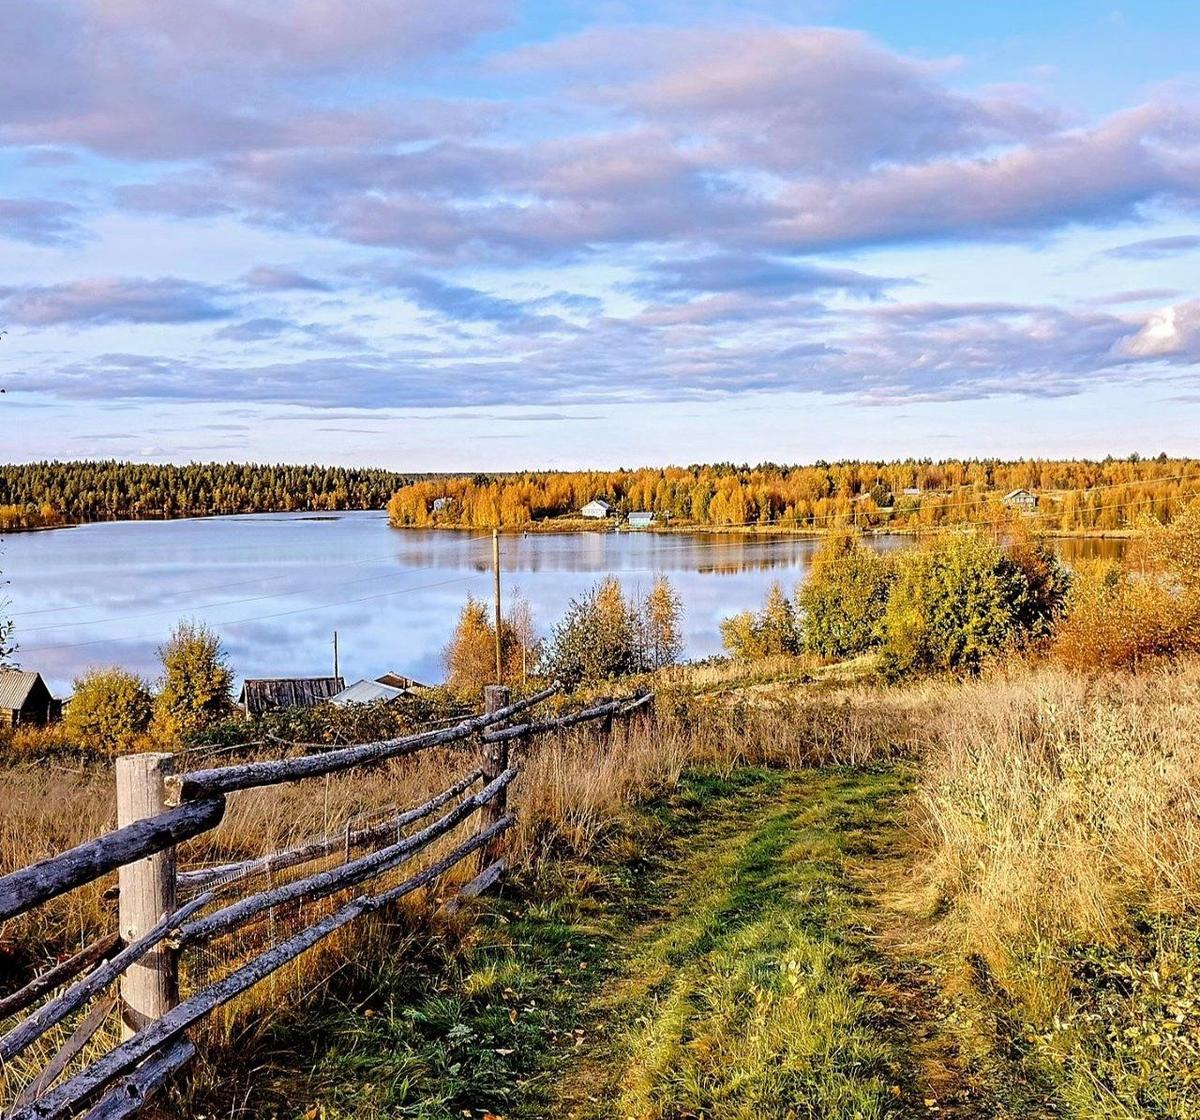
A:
x,y
34,495
1064,496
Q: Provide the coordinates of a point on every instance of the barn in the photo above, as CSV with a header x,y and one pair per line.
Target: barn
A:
x,y
271,694
24,698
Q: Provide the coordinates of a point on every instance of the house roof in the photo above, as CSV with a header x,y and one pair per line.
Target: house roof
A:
x,y
15,687
399,680
366,692
598,502
1018,492
263,694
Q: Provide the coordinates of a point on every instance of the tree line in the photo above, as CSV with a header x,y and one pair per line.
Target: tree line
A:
x,y
1072,495
34,495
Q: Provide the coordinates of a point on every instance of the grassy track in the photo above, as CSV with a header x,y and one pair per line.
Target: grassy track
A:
x,y
730,976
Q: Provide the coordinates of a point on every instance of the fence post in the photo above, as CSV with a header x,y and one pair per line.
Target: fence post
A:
x,y
495,762
605,726
150,987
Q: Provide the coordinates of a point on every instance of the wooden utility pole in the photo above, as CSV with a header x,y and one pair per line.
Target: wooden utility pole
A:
x,y
496,571
336,671
149,988
495,762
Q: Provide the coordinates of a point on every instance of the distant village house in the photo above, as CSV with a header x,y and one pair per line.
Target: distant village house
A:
x,y
440,504
25,699
1021,499
597,508
641,519
385,689
273,694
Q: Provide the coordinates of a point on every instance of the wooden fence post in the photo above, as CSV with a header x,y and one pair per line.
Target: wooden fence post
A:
x,y
149,988
605,727
495,762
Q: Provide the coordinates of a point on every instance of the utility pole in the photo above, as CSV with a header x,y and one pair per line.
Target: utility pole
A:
x,y
336,672
496,571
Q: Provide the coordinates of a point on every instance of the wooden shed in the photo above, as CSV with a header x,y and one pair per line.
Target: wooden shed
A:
x,y
24,698
271,694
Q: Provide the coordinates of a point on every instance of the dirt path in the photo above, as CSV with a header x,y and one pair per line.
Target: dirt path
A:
x,y
761,988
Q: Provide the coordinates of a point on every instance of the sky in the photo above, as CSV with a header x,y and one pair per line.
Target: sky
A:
x,y
496,235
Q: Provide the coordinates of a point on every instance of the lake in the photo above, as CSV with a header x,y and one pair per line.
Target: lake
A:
x,y
276,586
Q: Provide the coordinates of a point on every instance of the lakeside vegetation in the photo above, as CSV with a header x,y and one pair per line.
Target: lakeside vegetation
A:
x,y
1112,495
51,493
926,843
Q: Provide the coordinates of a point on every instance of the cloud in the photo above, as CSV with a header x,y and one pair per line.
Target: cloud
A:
x,y
760,275
461,304
253,330
818,99
268,278
1154,248
103,301
1173,332
38,221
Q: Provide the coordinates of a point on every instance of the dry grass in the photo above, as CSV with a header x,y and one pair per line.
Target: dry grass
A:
x,y
1053,807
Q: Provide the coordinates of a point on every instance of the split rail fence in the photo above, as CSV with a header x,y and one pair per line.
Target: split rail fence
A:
x,y
163,912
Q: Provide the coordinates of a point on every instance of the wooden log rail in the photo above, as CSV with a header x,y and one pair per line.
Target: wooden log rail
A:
x,y
118,1084
209,783
31,886
227,873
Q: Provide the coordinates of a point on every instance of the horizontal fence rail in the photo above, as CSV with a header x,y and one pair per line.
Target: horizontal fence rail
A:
x,y
155,930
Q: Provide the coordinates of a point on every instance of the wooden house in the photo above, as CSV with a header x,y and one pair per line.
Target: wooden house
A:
x,y
641,519
25,699
1021,499
597,508
271,694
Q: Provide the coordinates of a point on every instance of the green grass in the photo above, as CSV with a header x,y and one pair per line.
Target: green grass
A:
x,y
720,968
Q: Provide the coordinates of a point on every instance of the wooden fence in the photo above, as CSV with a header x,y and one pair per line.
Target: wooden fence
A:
x,y
161,912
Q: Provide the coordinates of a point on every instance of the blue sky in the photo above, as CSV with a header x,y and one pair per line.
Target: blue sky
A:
x,y
495,235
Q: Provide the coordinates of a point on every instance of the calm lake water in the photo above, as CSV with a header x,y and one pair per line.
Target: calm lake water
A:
x,y
276,586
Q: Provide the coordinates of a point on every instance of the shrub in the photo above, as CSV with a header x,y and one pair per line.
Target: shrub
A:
x,y
769,633
844,597
954,602
601,636
196,683
109,712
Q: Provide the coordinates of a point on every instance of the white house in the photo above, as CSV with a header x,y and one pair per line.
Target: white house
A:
x,y
597,508
641,519
1020,499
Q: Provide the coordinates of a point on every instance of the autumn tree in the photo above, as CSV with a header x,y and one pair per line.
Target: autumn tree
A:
x,y
196,685
470,657
599,637
844,596
662,616
770,632
110,711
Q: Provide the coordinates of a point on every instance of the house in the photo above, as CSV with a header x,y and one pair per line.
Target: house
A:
x,y
1021,499
367,692
911,491
270,694
24,698
597,508
641,519
440,504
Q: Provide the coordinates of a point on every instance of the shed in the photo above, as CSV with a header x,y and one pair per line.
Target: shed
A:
x,y
641,519
1021,499
398,680
24,698
597,508
270,694
367,692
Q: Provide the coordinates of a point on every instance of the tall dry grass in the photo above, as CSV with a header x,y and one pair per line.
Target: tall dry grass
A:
x,y
1055,808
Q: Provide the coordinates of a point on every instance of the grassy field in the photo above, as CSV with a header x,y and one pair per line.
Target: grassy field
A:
x,y
800,894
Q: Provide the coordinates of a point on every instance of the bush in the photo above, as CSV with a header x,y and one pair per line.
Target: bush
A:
x,y
769,633
109,711
662,613
601,636
196,685
844,598
954,602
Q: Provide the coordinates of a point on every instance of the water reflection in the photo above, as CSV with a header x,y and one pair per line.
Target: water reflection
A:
x,y
276,586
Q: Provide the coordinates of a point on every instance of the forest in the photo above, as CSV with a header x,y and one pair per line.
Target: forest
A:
x,y
1072,495
36,495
